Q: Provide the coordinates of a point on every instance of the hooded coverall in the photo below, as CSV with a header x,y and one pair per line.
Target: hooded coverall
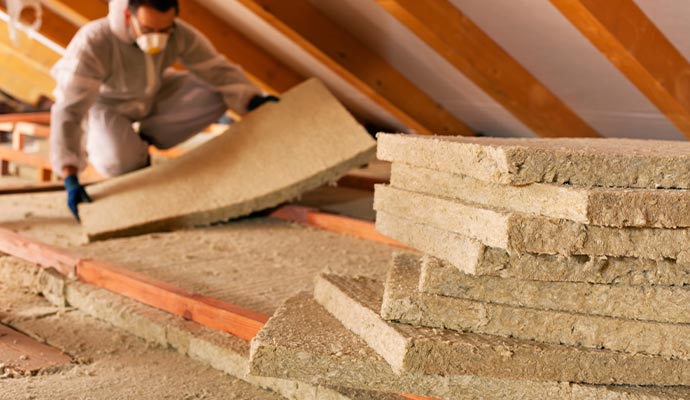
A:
x,y
105,83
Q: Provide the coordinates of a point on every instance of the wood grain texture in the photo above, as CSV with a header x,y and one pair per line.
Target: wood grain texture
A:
x,y
204,310
368,66
631,41
462,43
19,354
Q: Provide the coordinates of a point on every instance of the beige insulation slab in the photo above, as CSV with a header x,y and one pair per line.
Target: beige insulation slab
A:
x,y
274,154
356,302
525,233
217,349
645,303
520,161
402,302
303,341
472,257
659,208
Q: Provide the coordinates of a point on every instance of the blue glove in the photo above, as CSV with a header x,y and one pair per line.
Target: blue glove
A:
x,y
75,194
259,100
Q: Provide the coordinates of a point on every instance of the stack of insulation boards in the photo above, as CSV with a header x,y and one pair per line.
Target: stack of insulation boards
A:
x,y
553,269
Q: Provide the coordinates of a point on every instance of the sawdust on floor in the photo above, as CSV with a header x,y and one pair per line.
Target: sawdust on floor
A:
x,y
109,363
254,263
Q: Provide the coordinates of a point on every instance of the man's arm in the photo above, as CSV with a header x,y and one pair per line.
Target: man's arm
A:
x,y
78,75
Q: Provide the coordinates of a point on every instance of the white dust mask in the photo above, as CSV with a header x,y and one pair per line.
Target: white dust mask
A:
x,y
151,43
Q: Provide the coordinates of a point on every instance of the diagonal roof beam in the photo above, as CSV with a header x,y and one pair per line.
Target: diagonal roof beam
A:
x,y
344,49
346,76
473,53
631,41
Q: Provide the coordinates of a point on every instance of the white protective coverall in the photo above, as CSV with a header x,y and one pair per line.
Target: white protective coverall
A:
x,y
104,75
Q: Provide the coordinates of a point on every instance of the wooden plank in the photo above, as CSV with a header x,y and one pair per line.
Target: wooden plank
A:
x,y
347,76
32,188
631,41
32,129
336,223
207,311
28,159
413,397
462,43
21,355
37,252
45,174
342,47
38,117
361,181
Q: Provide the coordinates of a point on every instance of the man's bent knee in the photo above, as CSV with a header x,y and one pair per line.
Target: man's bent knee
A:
x,y
114,167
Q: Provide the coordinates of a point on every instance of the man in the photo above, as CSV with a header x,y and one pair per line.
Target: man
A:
x,y
116,71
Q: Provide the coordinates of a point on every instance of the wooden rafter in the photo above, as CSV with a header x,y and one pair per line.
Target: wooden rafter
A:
x,y
462,43
631,41
257,9
343,48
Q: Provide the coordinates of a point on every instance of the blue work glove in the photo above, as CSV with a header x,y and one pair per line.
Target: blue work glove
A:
x,y
75,194
259,100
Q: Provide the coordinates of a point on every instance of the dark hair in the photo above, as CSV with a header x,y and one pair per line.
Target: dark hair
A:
x,y
160,5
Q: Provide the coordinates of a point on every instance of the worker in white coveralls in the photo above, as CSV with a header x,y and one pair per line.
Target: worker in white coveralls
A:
x,y
117,71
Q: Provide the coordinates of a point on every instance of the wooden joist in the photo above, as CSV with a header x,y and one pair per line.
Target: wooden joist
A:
x,y
473,53
38,118
346,50
20,355
38,253
207,311
28,159
331,222
631,41
32,188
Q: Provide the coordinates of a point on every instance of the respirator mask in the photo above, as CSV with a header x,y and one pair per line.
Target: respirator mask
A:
x,y
150,42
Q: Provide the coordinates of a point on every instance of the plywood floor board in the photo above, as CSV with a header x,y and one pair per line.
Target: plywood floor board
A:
x,y
356,302
520,161
525,233
303,341
274,154
658,208
403,302
471,257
